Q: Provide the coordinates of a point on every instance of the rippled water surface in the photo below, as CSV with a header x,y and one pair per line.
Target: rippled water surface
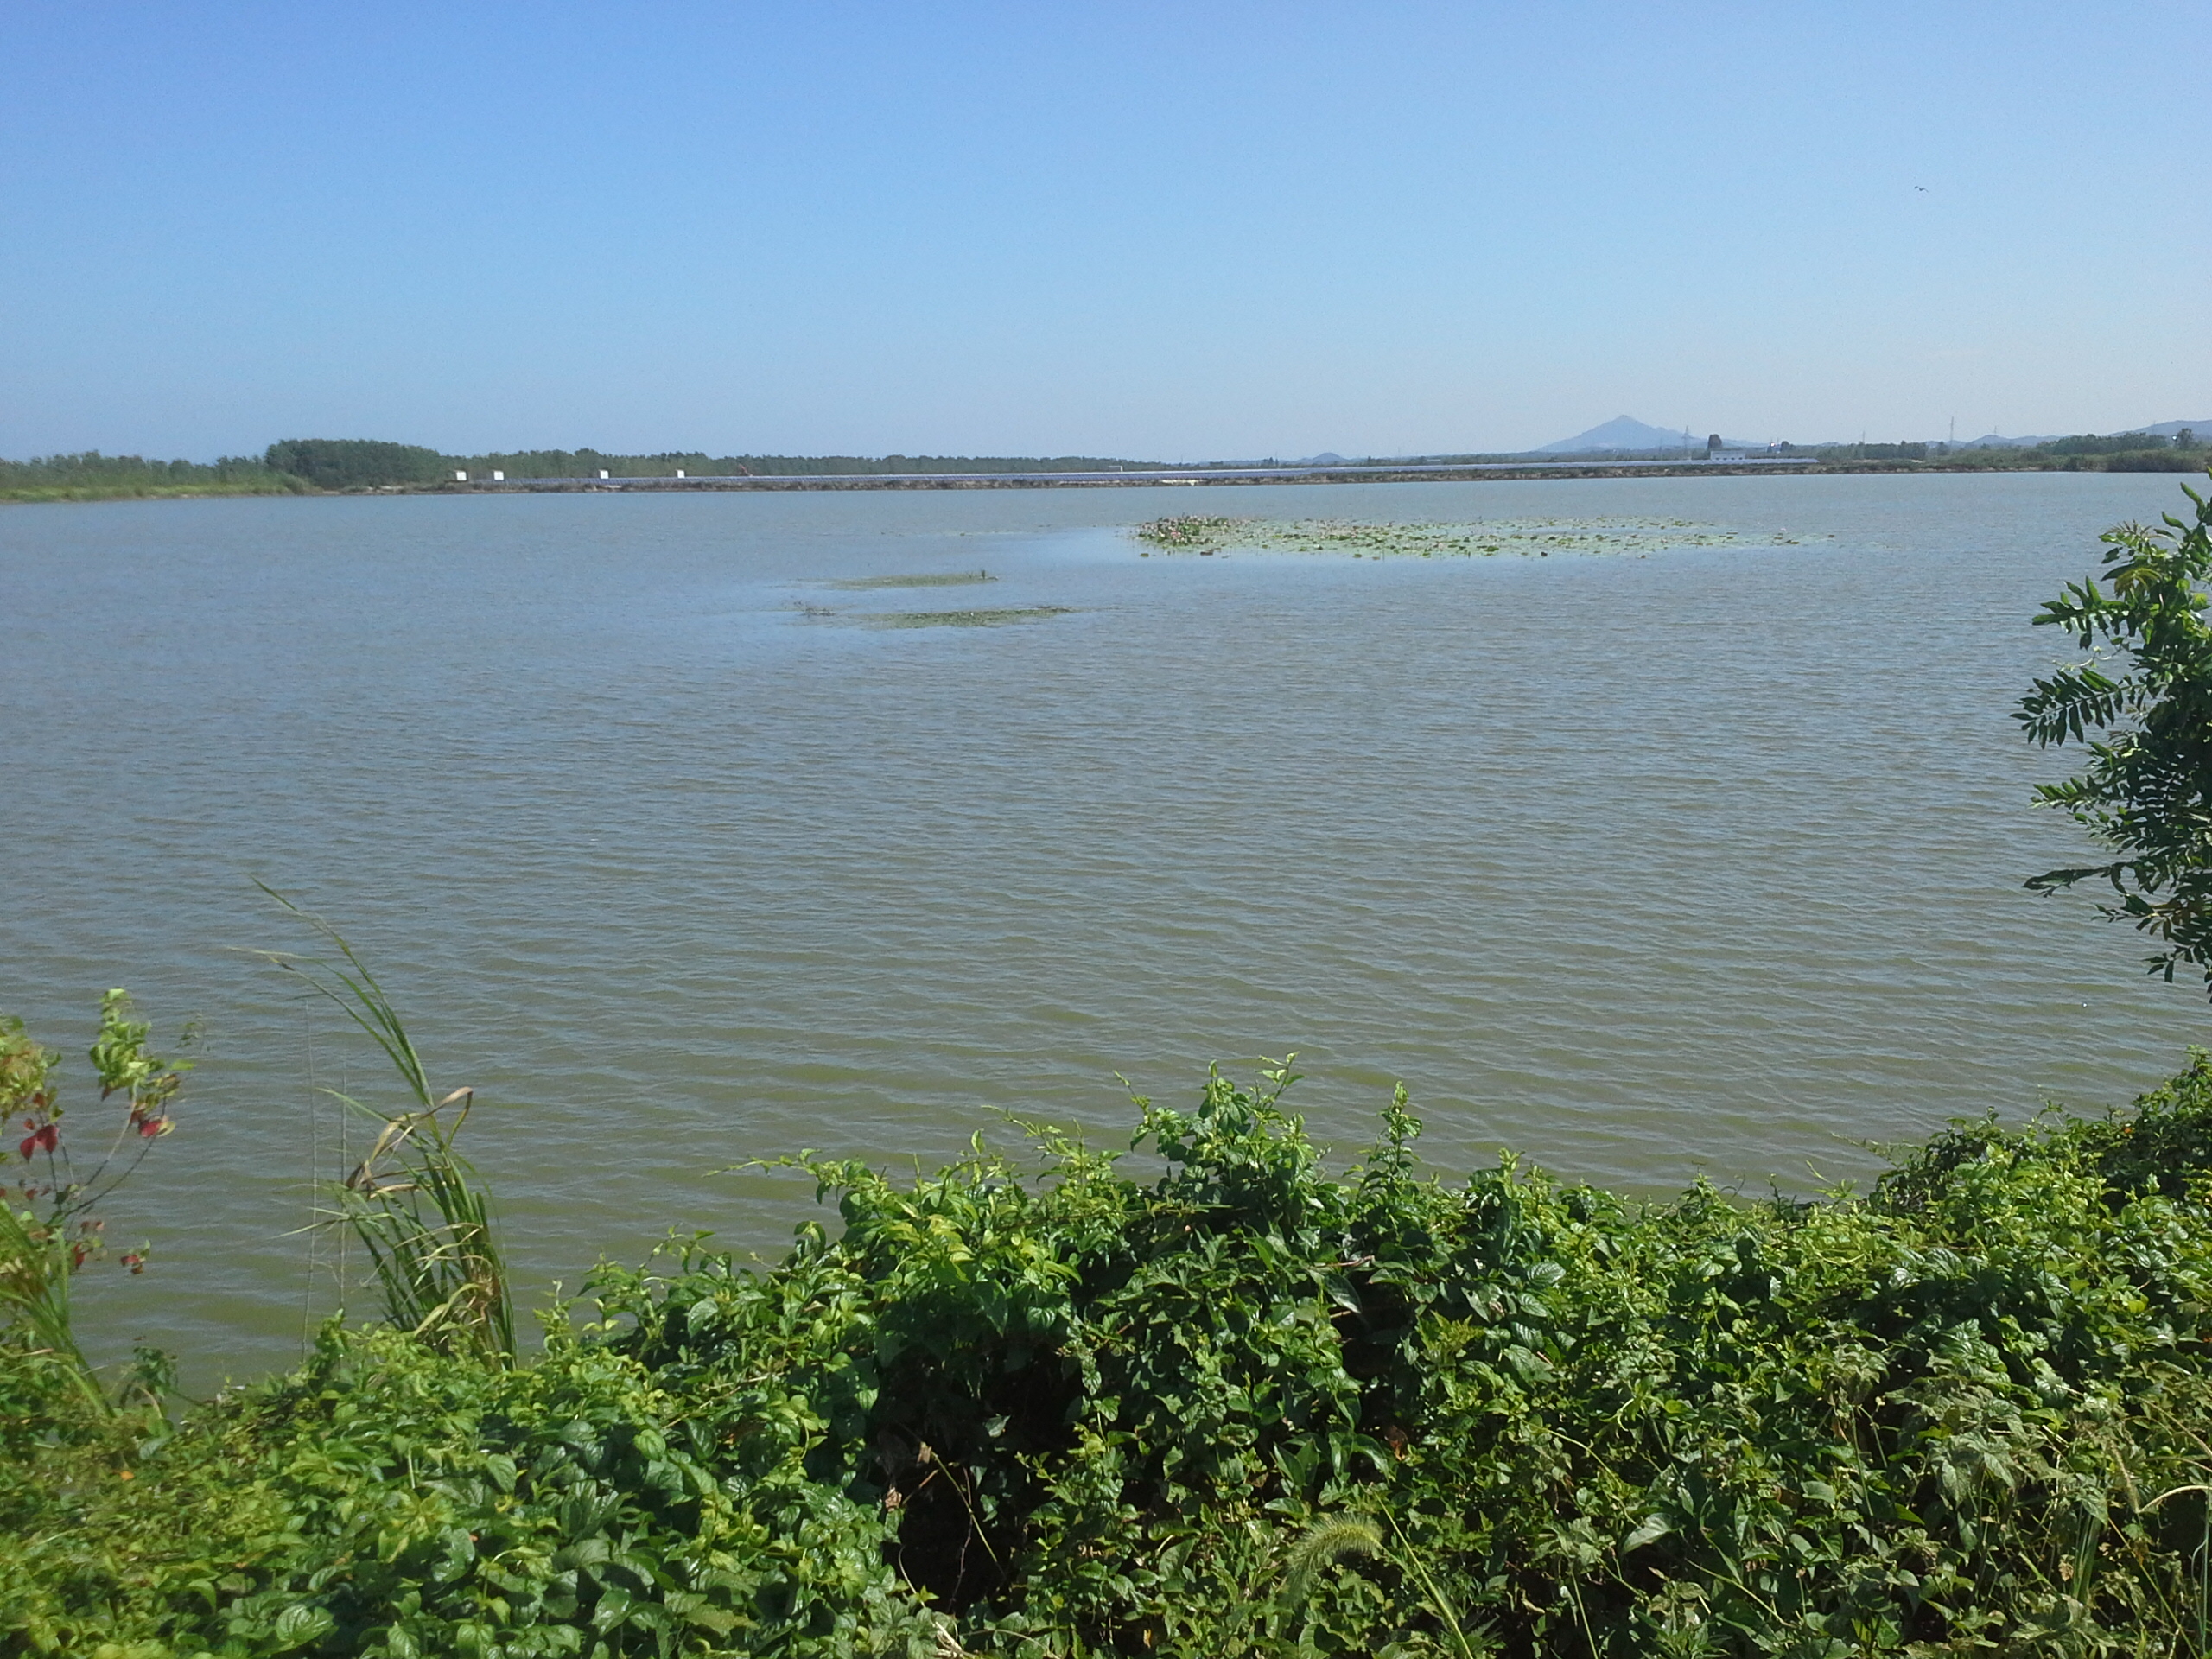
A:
x,y
1707,861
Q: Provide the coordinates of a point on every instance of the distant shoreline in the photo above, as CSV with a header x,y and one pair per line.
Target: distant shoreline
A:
x,y
1418,473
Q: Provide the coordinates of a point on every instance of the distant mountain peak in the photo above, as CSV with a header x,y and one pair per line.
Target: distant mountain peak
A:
x,y
1622,432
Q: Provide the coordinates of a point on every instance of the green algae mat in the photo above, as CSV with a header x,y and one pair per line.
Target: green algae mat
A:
x,y
942,579
969,617
975,619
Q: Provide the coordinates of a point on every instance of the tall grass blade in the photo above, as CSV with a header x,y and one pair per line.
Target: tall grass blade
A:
x,y
35,1292
418,1207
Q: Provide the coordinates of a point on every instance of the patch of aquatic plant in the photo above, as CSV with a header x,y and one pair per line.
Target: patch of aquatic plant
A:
x,y
942,579
995,618
1529,537
1194,533
1030,1405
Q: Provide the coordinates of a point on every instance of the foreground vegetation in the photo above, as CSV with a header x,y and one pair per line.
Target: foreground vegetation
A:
x,y
1245,1406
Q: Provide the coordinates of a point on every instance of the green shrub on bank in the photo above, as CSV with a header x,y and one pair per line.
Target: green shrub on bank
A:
x,y
388,1499
1246,1408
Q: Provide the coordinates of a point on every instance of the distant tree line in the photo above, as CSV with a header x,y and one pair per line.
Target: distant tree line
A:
x,y
356,463
362,463
2119,444
1873,451
92,474
2087,452
2128,452
297,465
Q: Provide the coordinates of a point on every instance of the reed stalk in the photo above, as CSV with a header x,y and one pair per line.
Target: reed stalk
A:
x,y
35,1292
419,1209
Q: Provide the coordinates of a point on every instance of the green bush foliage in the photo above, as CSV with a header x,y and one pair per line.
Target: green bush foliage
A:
x,y
2138,701
1038,1407
355,463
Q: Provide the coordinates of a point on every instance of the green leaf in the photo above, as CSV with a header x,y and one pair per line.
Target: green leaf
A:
x,y
301,1623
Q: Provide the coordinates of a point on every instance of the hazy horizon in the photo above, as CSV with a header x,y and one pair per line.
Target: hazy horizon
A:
x,y
1171,234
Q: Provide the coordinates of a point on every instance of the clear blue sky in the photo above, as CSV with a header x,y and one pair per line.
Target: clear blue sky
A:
x,y
1177,231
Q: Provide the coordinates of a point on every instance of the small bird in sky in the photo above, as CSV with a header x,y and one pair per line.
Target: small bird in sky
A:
x,y
1921,188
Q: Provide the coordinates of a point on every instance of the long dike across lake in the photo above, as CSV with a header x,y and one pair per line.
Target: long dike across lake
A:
x,y
1416,472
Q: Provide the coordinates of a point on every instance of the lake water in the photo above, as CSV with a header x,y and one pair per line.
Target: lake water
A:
x,y
1704,862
